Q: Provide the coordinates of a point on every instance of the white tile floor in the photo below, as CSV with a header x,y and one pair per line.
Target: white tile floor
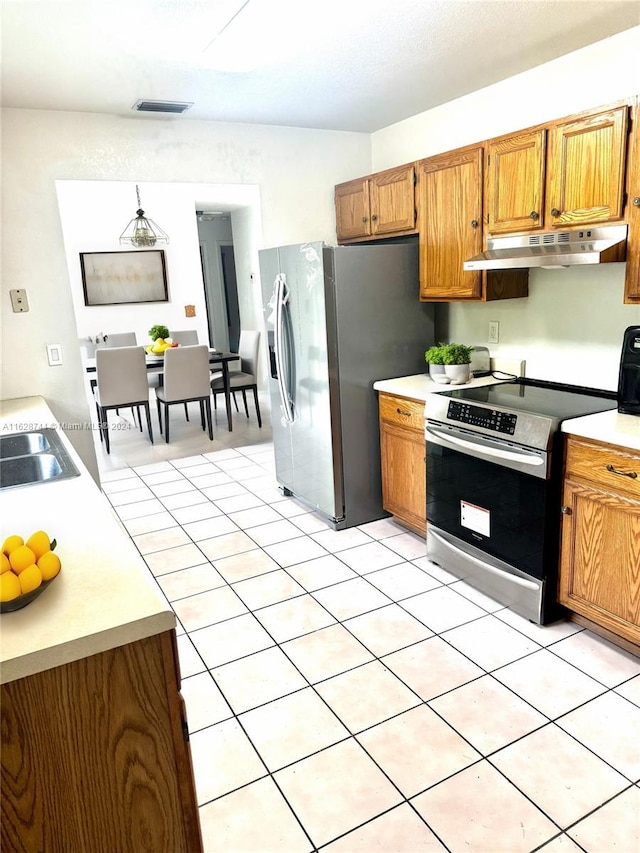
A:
x,y
345,694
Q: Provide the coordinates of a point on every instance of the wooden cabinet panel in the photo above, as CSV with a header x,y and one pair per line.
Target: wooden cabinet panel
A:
x,y
392,201
450,203
600,553
600,561
402,458
353,215
376,206
94,757
632,271
586,169
515,183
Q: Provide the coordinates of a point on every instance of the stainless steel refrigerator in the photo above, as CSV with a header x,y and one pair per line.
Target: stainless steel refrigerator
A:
x,y
338,318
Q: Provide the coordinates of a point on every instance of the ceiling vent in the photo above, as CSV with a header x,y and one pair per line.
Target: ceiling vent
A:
x,y
174,107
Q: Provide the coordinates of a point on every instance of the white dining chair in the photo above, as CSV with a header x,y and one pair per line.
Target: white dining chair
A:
x,y
121,375
245,379
185,337
186,380
120,339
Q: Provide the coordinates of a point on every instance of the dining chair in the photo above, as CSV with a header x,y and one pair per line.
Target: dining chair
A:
x,y
186,337
120,339
121,374
186,380
245,379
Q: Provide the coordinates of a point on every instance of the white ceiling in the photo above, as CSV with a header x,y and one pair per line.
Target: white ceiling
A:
x,y
355,65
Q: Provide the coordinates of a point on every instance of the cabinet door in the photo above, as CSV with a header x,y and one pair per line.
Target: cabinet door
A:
x,y
632,269
450,203
515,183
392,198
404,475
600,559
353,215
586,169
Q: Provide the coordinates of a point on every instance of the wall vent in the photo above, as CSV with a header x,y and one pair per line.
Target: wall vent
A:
x,y
174,107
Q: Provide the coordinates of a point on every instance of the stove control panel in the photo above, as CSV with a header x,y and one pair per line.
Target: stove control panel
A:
x,y
466,413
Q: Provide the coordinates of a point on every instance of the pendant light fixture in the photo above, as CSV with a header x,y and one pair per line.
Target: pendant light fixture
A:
x,y
142,232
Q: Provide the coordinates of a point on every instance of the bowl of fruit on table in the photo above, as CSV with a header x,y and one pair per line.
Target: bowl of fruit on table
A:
x,y
161,341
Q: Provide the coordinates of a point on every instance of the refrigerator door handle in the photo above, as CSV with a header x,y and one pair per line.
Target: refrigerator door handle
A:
x,y
281,297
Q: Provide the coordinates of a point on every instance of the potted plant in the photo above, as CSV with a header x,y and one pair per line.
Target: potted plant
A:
x,y
457,358
434,357
156,332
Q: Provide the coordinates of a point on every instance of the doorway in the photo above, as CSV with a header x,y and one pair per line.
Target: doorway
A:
x,y
219,277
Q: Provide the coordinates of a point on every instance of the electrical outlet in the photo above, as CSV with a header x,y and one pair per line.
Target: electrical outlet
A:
x,y
494,332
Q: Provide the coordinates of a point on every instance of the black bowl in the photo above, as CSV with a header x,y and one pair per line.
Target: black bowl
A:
x,y
22,600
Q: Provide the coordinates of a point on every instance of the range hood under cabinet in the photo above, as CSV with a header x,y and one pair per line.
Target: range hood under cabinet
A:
x,y
591,245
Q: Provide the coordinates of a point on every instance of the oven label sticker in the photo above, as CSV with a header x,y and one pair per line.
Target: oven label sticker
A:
x,y
475,518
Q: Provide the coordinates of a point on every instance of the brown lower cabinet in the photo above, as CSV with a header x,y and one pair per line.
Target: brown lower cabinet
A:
x,y
95,756
600,557
402,458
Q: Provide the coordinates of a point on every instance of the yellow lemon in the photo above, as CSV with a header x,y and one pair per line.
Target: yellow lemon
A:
x,y
21,558
30,579
39,542
9,586
5,565
49,565
11,543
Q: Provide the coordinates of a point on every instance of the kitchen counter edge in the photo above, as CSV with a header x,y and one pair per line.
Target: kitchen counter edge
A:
x,y
104,596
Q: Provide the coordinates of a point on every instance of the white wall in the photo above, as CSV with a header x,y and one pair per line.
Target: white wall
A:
x,y
570,328
295,170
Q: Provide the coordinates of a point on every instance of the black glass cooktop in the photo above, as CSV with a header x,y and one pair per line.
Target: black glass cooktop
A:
x,y
538,398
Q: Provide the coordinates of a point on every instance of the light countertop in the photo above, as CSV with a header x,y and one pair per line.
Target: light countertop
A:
x,y
610,427
419,386
104,595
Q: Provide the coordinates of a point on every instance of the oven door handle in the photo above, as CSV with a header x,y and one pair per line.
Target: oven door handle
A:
x,y
484,449
487,567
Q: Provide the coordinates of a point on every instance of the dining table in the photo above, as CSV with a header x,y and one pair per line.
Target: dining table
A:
x,y
155,362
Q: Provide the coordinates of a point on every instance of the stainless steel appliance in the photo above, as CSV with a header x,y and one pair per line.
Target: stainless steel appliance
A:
x,y
338,318
494,470
629,378
592,245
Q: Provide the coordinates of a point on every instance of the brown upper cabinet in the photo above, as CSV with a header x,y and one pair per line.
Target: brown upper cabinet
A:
x,y
569,173
450,216
632,273
378,205
515,182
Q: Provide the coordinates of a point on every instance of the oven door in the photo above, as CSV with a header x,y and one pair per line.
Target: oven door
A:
x,y
493,495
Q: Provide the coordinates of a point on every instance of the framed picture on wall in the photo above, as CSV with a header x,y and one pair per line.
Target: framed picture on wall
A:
x,y
121,278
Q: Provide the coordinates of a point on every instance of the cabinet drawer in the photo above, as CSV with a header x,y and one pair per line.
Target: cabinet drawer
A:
x,y
610,467
406,413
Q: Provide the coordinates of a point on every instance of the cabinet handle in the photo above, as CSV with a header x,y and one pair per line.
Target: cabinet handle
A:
x,y
402,412
534,214
636,201
565,510
364,218
474,223
555,211
613,470
374,218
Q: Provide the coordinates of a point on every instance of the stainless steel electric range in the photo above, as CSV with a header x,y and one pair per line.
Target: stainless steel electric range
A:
x,y
494,478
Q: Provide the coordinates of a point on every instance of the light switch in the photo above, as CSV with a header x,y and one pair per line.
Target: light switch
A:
x,y
189,310
54,354
19,301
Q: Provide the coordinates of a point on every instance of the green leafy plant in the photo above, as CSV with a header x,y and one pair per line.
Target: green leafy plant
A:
x,y
156,332
435,354
457,354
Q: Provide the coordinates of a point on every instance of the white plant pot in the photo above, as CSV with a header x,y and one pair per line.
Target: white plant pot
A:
x,y
459,374
436,372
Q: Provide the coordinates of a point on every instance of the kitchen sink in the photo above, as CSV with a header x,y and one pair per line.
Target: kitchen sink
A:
x,y
30,458
22,443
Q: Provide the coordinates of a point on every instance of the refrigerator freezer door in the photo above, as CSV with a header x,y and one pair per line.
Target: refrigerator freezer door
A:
x,y
295,317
